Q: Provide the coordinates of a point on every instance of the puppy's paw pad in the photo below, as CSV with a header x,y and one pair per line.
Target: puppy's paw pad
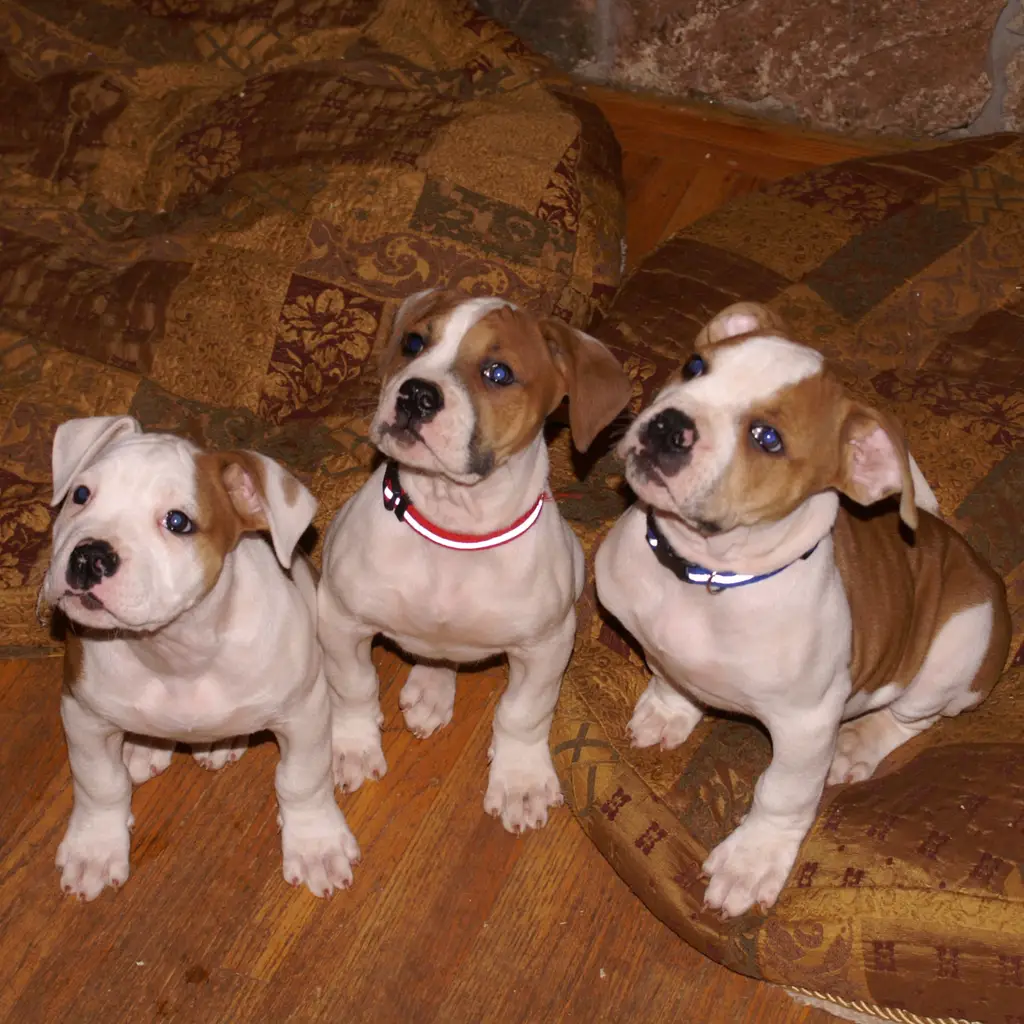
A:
x,y
656,723
92,859
750,868
214,756
522,788
427,700
322,861
144,760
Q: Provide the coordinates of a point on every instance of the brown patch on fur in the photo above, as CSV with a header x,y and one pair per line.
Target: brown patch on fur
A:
x,y
759,487
508,418
901,594
225,485
715,330
425,315
598,386
291,489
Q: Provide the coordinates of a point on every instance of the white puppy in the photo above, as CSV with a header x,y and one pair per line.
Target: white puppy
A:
x,y
462,554
751,589
183,626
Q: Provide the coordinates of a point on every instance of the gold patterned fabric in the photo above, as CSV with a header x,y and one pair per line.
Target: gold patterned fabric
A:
x,y
908,894
210,210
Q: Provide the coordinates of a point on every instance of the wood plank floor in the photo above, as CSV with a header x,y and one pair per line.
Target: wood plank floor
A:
x,y
450,919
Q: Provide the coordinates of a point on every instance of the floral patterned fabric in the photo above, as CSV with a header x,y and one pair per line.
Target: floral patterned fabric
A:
x,y
210,210
906,271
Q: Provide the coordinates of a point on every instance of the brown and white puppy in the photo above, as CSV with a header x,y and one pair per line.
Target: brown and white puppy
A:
x,y
816,613
467,385
185,626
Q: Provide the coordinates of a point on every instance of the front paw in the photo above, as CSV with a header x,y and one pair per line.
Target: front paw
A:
x,y
522,784
750,867
356,749
659,722
92,856
146,758
428,699
213,756
320,857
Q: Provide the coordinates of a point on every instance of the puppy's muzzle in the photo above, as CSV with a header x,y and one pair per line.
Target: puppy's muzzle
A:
x,y
418,402
668,439
90,563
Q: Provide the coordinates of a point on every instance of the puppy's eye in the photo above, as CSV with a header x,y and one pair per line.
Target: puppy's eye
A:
x,y
694,367
80,495
177,522
767,437
413,344
499,373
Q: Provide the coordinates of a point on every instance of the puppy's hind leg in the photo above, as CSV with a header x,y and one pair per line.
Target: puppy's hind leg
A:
x,y
213,756
146,757
943,686
663,716
428,699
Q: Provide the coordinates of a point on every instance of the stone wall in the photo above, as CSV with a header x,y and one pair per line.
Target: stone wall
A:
x,y
908,67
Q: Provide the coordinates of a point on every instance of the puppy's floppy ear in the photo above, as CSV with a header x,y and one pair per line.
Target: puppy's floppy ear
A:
x,y
266,496
597,385
77,442
874,462
739,318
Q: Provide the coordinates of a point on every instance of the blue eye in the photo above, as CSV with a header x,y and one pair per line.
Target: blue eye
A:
x,y
767,437
413,344
177,522
80,495
499,373
694,367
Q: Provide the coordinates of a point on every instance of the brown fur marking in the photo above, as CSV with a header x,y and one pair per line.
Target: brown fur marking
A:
x,y
426,316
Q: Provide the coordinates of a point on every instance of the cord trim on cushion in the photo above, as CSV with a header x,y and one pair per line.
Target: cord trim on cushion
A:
x,y
881,1012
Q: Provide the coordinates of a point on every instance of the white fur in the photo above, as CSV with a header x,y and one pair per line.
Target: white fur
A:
x,y
166,660
452,606
778,650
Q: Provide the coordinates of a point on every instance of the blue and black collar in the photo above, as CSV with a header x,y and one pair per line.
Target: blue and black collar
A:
x,y
690,572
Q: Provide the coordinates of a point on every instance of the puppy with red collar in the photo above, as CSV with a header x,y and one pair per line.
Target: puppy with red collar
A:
x,y
752,589
185,625
454,548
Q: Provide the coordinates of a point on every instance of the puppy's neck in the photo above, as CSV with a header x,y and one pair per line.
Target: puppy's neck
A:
x,y
756,549
195,638
492,503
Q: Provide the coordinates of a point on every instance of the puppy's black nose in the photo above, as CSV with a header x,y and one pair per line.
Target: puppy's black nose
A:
x,y
91,562
671,432
418,401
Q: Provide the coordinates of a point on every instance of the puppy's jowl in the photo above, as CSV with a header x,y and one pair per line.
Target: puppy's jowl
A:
x,y
752,589
184,626
454,549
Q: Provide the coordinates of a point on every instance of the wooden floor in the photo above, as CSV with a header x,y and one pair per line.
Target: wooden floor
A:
x,y
450,919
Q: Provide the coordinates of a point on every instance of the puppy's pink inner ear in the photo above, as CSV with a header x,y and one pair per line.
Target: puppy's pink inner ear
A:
x,y
243,493
874,466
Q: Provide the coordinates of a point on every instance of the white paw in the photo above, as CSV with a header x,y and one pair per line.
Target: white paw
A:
x,y
428,699
750,867
658,722
356,749
145,759
858,750
522,784
93,855
213,756
321,857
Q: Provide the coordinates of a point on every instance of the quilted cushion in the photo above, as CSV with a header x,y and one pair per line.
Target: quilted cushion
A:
x,y
210,209
909,891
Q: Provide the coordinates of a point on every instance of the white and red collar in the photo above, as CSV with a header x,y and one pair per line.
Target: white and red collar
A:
x,y
398,501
